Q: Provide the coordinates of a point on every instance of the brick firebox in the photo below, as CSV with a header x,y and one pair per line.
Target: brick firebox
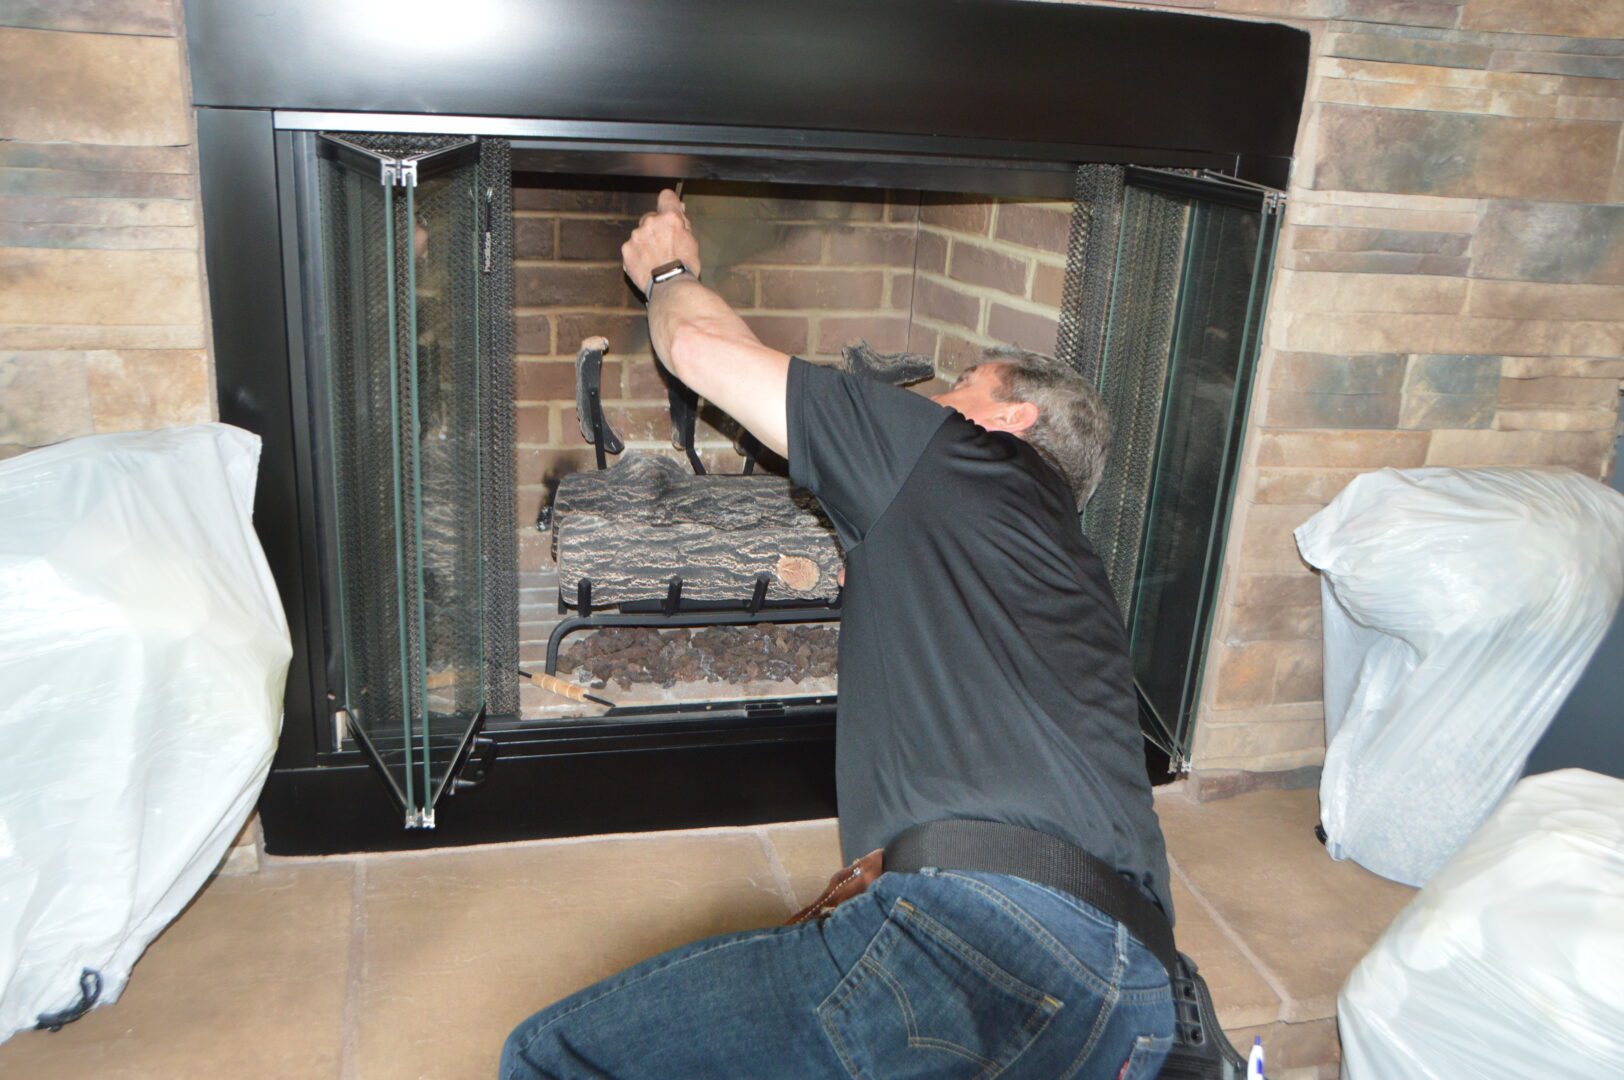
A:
x,y
810,269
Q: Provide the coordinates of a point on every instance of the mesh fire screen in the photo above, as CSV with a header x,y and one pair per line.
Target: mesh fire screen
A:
x,y
415,240
1131,374
1090,260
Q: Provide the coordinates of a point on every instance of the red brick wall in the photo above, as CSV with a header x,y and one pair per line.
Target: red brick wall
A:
x,y
809,269
989,272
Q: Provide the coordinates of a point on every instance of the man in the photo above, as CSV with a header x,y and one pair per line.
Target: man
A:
x,y
984,677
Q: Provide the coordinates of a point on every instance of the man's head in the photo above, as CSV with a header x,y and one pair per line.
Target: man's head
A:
x,y
1043,401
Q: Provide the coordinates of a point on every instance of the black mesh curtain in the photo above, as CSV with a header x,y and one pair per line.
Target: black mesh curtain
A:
x,y
496,394
1118,308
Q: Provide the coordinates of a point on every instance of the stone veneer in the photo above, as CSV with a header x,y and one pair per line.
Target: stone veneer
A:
x,y
102,323
1449,291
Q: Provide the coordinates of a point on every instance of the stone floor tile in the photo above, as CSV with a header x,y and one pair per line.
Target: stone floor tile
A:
x,y
1242,996
459,946
249,981
810,853
1307,918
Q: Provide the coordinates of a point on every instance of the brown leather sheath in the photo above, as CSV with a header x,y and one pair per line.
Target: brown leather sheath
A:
x,y
848,882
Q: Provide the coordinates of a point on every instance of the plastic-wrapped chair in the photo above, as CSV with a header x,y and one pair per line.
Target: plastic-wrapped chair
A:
x,y
1506,963
143,651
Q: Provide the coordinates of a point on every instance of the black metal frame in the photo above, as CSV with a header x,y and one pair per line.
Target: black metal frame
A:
x,y
666,91
681,619
993,77
425,165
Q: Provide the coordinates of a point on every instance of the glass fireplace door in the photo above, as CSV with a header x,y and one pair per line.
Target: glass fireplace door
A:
x,y
1189,286
401,246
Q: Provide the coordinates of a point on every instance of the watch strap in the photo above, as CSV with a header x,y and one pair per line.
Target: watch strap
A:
x,y
666,271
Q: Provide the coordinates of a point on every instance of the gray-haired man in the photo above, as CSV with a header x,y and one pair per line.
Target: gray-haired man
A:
x,y
984,677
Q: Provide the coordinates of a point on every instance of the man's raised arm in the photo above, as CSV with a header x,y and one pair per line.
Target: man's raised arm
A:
x,y
698,337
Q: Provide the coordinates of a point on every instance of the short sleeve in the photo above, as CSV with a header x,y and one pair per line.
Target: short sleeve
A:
x,y
854,441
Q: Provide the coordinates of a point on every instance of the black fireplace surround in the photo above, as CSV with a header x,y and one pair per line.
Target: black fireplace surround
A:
x,y
993,96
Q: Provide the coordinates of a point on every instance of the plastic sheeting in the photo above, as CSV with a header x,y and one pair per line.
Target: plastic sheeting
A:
x,y
143,652
1508,962
1460,606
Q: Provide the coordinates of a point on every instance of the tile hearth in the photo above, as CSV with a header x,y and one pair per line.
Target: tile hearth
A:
x,y
380,967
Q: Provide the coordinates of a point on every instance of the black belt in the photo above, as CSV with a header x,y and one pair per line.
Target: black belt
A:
x,y
995,848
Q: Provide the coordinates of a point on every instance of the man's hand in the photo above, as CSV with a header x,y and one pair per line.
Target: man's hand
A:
x,y
660,237
699,338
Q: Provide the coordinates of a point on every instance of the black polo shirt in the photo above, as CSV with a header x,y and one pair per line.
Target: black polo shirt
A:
x,y
984,668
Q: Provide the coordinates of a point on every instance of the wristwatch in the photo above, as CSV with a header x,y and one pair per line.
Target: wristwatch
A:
x,y
667,271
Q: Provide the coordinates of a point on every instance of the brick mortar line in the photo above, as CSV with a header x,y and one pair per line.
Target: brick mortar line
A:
x,y
1405,201
806,313
1329,53
744,268
986,292
1011,249
633,215
1298,226
1465,108
940,326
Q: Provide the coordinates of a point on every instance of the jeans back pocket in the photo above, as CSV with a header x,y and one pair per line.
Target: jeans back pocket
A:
x,y
921,1002
1145,1062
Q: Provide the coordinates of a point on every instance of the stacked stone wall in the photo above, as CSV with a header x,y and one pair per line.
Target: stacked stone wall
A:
x,y
102,322
1449,290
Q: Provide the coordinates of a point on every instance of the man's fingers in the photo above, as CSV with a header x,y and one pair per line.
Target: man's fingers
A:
x,y
669,203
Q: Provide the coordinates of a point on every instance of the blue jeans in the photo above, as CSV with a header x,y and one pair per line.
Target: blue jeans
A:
x,y
939,974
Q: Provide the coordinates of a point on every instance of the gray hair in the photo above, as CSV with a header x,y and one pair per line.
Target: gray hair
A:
x,y
1073,429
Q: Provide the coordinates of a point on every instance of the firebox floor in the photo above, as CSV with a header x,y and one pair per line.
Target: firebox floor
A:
x,y
381,967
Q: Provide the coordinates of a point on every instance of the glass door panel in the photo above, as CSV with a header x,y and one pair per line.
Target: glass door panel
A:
x,y
400,376
443,283
368,605
1209,370
1188,288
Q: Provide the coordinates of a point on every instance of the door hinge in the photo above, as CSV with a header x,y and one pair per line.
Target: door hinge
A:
x,y
399,172
474,769
341,728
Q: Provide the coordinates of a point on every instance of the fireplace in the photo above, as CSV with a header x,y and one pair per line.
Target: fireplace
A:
x,y
441,253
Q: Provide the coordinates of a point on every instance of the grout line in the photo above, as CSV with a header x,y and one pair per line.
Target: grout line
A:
x,y
1236,940
355,981
776,865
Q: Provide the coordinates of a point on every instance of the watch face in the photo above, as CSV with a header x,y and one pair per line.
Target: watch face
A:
x,y
669,271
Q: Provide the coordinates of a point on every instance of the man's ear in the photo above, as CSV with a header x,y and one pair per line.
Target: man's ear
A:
x,y
1018,416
